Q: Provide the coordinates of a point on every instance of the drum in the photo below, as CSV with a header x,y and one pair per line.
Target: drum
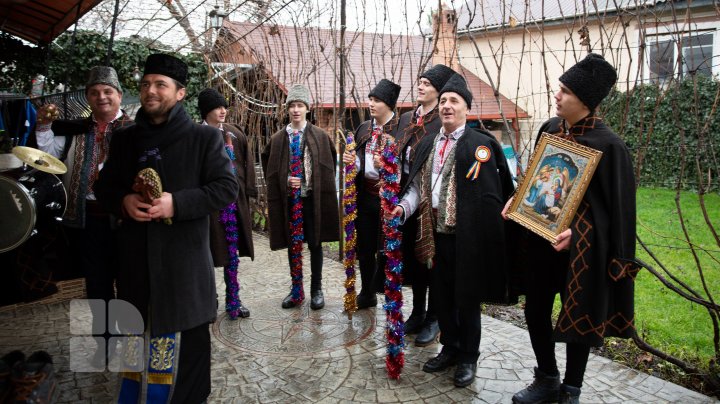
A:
x,y
26,198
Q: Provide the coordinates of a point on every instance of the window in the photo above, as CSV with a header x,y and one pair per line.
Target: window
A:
x,y
696,55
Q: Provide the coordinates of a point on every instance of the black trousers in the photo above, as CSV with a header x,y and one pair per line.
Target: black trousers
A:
x,y
315,246
370,258
538,315
459,325
94,247
192,385
418,273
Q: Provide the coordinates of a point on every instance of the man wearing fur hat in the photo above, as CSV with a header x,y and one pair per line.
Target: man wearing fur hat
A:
x,y
414,126
370,139
461,180
213,111
167,272
317,189
83,145
592,264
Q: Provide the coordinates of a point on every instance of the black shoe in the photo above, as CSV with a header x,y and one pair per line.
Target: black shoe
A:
x,y
34,380
464,374
243,311
429,333
364,301
6,364
287,302
414,323
544,389
569,394
439,363
317,301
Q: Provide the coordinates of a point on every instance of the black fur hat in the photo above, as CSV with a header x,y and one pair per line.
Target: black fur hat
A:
x,y
438,75
591,79
387,92
209,99
160,63
457,84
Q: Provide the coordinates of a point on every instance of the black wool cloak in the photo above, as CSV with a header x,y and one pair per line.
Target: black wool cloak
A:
x,y
596,276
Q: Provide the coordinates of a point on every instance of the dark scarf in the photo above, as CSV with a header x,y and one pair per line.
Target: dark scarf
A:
x,y
415,132
152,140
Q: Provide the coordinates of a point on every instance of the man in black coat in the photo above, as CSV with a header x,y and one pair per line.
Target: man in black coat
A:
x,y
415,126
461,179
592,264
166,269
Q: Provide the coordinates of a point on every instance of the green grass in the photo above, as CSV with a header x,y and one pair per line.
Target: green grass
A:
x,y
663,318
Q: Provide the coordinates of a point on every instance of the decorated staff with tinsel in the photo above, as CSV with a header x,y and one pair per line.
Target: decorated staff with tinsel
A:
x,y
415,125
370,140
461,180
231,227
350,233
299,166
395,326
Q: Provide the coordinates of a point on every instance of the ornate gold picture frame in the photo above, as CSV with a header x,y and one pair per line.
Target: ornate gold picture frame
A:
x,y
555,182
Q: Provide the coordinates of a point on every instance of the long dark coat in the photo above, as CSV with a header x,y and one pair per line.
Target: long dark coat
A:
x,y
166,271
276,165
245,173
481,263
596,277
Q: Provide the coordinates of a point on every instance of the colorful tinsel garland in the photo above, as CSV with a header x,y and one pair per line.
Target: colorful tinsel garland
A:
x,y
228,218
395,328
296,223
349,249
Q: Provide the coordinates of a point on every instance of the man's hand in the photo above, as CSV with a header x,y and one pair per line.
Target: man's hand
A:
x,y
394,213
47,114
135,207
377,161
294,182
162,207
563,240
349,157
505,209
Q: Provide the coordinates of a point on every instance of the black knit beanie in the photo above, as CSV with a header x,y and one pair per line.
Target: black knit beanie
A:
x,y
438,75
170,66
209,99
591,79
457,84
387,92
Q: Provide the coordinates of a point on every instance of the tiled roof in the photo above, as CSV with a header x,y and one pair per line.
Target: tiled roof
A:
x,y
307,55
495,13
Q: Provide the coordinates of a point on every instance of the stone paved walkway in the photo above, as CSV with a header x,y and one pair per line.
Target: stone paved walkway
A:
x,y
300,355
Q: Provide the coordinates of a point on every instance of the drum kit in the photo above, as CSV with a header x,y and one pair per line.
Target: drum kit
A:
x,y
30,192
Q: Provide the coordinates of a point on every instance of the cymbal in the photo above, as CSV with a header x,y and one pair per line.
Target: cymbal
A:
x,y
39,159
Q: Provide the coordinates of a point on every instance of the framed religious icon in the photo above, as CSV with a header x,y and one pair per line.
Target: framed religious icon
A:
x,y
558,175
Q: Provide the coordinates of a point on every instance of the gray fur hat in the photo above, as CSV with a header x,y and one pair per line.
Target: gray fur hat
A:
x,y
103,75
298,92
591,79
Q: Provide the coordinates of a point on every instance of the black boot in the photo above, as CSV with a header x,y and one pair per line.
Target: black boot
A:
x,y
429,332
414,323
569,394
243,311
317,300
287,302
366,301
544,389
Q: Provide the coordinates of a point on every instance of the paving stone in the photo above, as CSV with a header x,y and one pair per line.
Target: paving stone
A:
x,y
302,355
